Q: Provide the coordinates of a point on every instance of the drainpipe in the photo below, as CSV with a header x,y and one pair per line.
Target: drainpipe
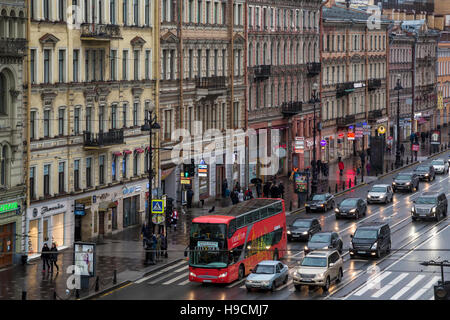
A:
x,y
320,59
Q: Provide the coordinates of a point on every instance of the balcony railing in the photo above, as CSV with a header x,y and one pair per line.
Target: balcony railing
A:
x,y
374,84
211,82
15,47
262,72
375,115
100,31
345,121
101,139
343,89
291,108
314,69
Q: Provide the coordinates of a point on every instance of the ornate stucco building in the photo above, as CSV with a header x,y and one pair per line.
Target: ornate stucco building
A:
x,y
93,66
12,180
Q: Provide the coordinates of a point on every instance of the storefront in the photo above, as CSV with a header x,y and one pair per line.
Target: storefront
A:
x,y
49,222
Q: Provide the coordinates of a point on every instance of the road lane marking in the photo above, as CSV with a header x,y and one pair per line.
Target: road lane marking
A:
x,y
166,276
425,288
371,283
389,285
236,283
407,287
287,284
184,282
160,272
175,279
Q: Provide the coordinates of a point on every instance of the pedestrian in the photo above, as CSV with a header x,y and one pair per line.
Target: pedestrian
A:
x,y
358,170
266,189
164,244
154,243
274,192
258,189
402,149
235,197
341,167
190,195
281,189
174,219
368,168
54,258
45,256
144,233
224,188
158,247
237,186
241,195
248,194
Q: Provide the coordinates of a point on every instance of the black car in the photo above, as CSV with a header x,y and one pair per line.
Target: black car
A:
x,y
320,202
324,240
406,181
303,229
430,205
351,207
371,238
425,172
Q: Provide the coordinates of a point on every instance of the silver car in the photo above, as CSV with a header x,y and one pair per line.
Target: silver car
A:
x,y
440,166
380,193
267,274
318,269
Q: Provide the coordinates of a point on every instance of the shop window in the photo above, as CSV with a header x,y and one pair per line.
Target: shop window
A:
x,y
58,229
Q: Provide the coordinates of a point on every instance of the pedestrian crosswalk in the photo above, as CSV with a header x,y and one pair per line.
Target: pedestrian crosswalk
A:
x,y
397,286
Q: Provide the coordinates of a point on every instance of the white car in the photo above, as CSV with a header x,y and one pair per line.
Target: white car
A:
x,y
440,166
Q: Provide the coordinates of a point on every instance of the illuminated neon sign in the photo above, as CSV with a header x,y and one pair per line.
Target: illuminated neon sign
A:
x,y
8,207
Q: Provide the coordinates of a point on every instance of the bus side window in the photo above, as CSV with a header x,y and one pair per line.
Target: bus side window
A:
x,y
256,215
277,234
231,228
248,218
240,222
263,213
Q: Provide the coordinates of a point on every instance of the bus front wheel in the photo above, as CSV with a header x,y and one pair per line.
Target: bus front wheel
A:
x,y
241,272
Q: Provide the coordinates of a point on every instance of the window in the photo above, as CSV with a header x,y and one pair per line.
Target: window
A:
x,y
114,168
46,123
33,65
124,115
101,169
135,164
236,114
216,6
147,65
46,66
61,65
136,12
135,113
88,119
167,124
113,66
46,10
76,122
3,165
208,12
112,11
199,11
76,174
101,62
125,12
61,10
136,65
224,13
124,65
124,166
75,65
61,178
86,65
32,125
113,116
88,172
94,67
101,118
61,122
47,180
32,183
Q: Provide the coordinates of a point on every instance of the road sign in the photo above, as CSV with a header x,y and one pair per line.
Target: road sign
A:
x,y
299,145
381,129
157,206
415,147
323,143
158,218
351,136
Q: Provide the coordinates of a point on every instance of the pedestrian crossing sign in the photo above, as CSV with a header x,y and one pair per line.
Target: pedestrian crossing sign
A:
x,y
157,206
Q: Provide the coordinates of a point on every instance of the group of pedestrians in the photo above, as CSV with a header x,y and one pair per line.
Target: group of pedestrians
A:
x,y
49,257
272,190
237,194
155,244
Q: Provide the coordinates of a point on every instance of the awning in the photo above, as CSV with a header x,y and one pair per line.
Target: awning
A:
x,y
139,150
117,153
127,152
166,173
104,206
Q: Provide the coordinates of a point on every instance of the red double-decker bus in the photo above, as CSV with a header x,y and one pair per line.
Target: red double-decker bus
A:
x,y
224,246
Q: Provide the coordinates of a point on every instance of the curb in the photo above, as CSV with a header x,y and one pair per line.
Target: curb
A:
x,y
398,169
123,283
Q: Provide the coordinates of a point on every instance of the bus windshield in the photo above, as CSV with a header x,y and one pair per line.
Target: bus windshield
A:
x,y
208,231
208,257
208,245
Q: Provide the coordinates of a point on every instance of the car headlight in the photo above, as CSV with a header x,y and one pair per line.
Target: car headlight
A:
x,y
223,275
433,210
336,210
289,232
413,209
265,283
192,274
374,246
305,232
368,196
394,183
319,275
321,205
408,183
350,244
353,211
426,174
306,247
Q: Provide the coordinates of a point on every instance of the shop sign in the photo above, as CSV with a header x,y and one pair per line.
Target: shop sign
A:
x,y
7,207
299,145
381,129
350,135
185,181
50,208
86,201
79,209
383,120
366,130
359,131
435,137
84,258
132,189
415,147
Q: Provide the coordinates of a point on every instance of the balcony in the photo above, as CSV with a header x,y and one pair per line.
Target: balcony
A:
x,y
374,84
12,47
211,83
345,121
343,89
375,115
291,108
102,139
313,69
100,32
262,72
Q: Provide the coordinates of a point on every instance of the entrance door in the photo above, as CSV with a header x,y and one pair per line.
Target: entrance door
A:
x,y
101,222
46,236
77,234
6,244
220,176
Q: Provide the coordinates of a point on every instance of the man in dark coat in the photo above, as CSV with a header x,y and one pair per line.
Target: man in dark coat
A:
x,y
45,256
258,189
281,189
266,189
189,194
274,191
54,258
224,188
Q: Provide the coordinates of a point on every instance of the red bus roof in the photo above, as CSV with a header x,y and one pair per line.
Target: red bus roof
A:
x,y
224,215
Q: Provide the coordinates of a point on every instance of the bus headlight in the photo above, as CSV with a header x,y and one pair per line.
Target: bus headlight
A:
x,y
192,274
223,275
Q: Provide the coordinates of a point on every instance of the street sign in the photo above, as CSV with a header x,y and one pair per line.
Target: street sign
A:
x,y
381,129
323,143
299,145
415,147
351,136
158,218
157,206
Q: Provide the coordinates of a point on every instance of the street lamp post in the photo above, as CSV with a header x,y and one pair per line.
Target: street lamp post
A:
x,y
314,99
398,87
150,124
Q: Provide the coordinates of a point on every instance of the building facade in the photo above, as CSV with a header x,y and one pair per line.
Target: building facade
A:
x,y
93,66
202,88
12,187
283,63
443,78
354,70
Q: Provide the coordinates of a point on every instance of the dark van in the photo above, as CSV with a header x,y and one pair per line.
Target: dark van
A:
x,y
371,239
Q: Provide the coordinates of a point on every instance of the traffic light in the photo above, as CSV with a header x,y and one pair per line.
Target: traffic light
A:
x,y
185,170
192,168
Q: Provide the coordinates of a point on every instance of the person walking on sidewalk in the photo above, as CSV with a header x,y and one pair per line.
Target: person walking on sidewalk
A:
x,y
224,188
341,167
45,256
402,149
258,189
368,168
163,244
174,219
281,189
266,189
54,258
189,195
241,196
248,194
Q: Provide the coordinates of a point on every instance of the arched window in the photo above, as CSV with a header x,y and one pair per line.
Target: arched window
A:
x,y
304,54
250,51
3,95
297,52
3,165
272,95
285,54
265,54
278,54
257,57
